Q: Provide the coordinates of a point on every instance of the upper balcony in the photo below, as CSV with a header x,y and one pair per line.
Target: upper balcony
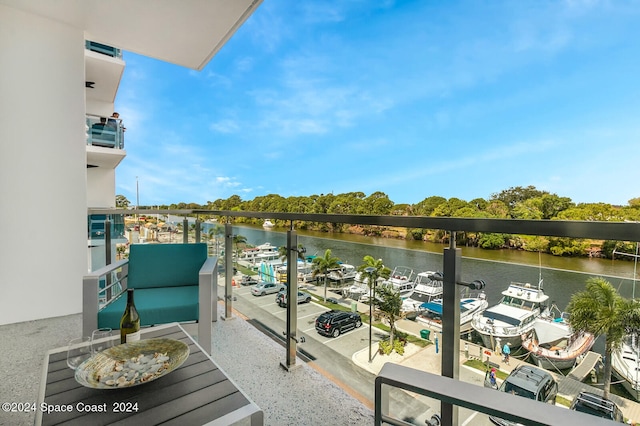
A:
x,y
105,141
104,67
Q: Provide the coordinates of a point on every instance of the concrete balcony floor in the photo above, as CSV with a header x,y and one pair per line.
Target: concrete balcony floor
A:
x,y
301,397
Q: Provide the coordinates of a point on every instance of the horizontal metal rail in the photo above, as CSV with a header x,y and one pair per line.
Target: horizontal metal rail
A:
x,y
617,231
467,395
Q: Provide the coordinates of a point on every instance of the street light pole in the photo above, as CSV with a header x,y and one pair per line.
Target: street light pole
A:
x,y
369,271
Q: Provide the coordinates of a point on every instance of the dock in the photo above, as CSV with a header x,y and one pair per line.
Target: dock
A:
x,y
583,368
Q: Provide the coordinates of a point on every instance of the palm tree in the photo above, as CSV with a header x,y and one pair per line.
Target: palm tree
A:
x,y
282,252
601,310
372,275
214,232
390,304
322,265
239,239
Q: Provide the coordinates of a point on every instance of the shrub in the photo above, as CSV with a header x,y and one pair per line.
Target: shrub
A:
x,y
384,347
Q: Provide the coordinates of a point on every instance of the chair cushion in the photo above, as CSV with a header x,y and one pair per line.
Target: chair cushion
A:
x,y
165,265
155,306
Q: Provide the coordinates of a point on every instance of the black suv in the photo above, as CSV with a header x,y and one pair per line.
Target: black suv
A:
x,y
587,402
333,323
529,382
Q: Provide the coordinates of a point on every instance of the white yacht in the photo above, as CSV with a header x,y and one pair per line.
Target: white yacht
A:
x,y
267,224
401,280
514,316
426,287
625,365
431,312
346,272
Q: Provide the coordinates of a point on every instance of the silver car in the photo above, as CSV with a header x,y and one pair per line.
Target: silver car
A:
x,y
263,288
281,298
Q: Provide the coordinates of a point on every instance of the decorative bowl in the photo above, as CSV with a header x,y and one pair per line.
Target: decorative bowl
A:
x,y
132,364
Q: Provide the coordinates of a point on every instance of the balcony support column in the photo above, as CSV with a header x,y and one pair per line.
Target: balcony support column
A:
x,y
450,324
228,268
198,230
185,230
292,300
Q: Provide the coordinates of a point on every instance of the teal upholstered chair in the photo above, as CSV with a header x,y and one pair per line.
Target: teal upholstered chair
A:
x,y
172,282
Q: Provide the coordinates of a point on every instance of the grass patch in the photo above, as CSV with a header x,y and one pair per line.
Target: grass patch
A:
x,y
479,365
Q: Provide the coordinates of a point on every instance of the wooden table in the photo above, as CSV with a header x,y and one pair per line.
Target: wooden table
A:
x,y
198,392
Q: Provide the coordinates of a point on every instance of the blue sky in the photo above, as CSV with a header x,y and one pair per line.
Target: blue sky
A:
x,y
412,98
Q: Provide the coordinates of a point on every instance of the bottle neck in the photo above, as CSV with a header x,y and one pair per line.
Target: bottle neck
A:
x,y
130,296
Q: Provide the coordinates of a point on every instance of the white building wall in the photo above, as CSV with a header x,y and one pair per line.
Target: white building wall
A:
x,y
101,185
43,220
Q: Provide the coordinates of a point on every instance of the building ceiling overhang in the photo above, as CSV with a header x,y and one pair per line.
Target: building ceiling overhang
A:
x,y
182,32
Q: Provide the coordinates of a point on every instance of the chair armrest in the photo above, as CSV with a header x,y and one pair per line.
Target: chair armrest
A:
x,y
90,284
207,301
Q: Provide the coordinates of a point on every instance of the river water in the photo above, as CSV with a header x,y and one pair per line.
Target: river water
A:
x,y
562,277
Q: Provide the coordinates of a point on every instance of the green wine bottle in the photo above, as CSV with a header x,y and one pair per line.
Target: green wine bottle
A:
x,y
130,321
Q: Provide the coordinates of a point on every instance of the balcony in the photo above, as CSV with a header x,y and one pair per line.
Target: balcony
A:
x,y
104,67
252,359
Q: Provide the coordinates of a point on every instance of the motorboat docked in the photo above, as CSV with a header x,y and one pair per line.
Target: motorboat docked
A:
x,y
401,280
262,253
344,273
513,316
426,288
267,224
431,312
553,345
625,365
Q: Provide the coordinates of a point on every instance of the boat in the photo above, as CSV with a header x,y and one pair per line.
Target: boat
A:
x,y
554,345
401,280
513,316
263,253
267,224
344,273
625,365
427,287
430,313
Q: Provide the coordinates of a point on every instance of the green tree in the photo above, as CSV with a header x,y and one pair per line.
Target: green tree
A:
x,y
122,202
378,271
214,233
283,252
601,310
389,303
322,265
237,240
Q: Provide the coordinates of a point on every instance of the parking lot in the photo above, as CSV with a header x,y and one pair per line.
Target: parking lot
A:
x,y
346,344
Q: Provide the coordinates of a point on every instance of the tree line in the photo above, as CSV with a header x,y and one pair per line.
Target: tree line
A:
x,y
513,203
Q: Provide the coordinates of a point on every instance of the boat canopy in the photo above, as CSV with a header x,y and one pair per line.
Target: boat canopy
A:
x,y
435,306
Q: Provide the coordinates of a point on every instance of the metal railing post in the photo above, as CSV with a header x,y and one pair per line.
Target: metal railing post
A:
x,y
292,299
228,268
450,324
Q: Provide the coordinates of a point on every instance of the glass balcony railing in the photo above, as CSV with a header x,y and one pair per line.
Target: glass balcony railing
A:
x,y
399,391
96,226
106,132
103,49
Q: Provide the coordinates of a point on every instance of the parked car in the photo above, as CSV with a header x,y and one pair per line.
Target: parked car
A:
x,y
587,402
248,280
529,382
281,298
263,288
332,323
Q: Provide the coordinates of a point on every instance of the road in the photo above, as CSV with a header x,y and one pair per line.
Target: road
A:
x,y
333,356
